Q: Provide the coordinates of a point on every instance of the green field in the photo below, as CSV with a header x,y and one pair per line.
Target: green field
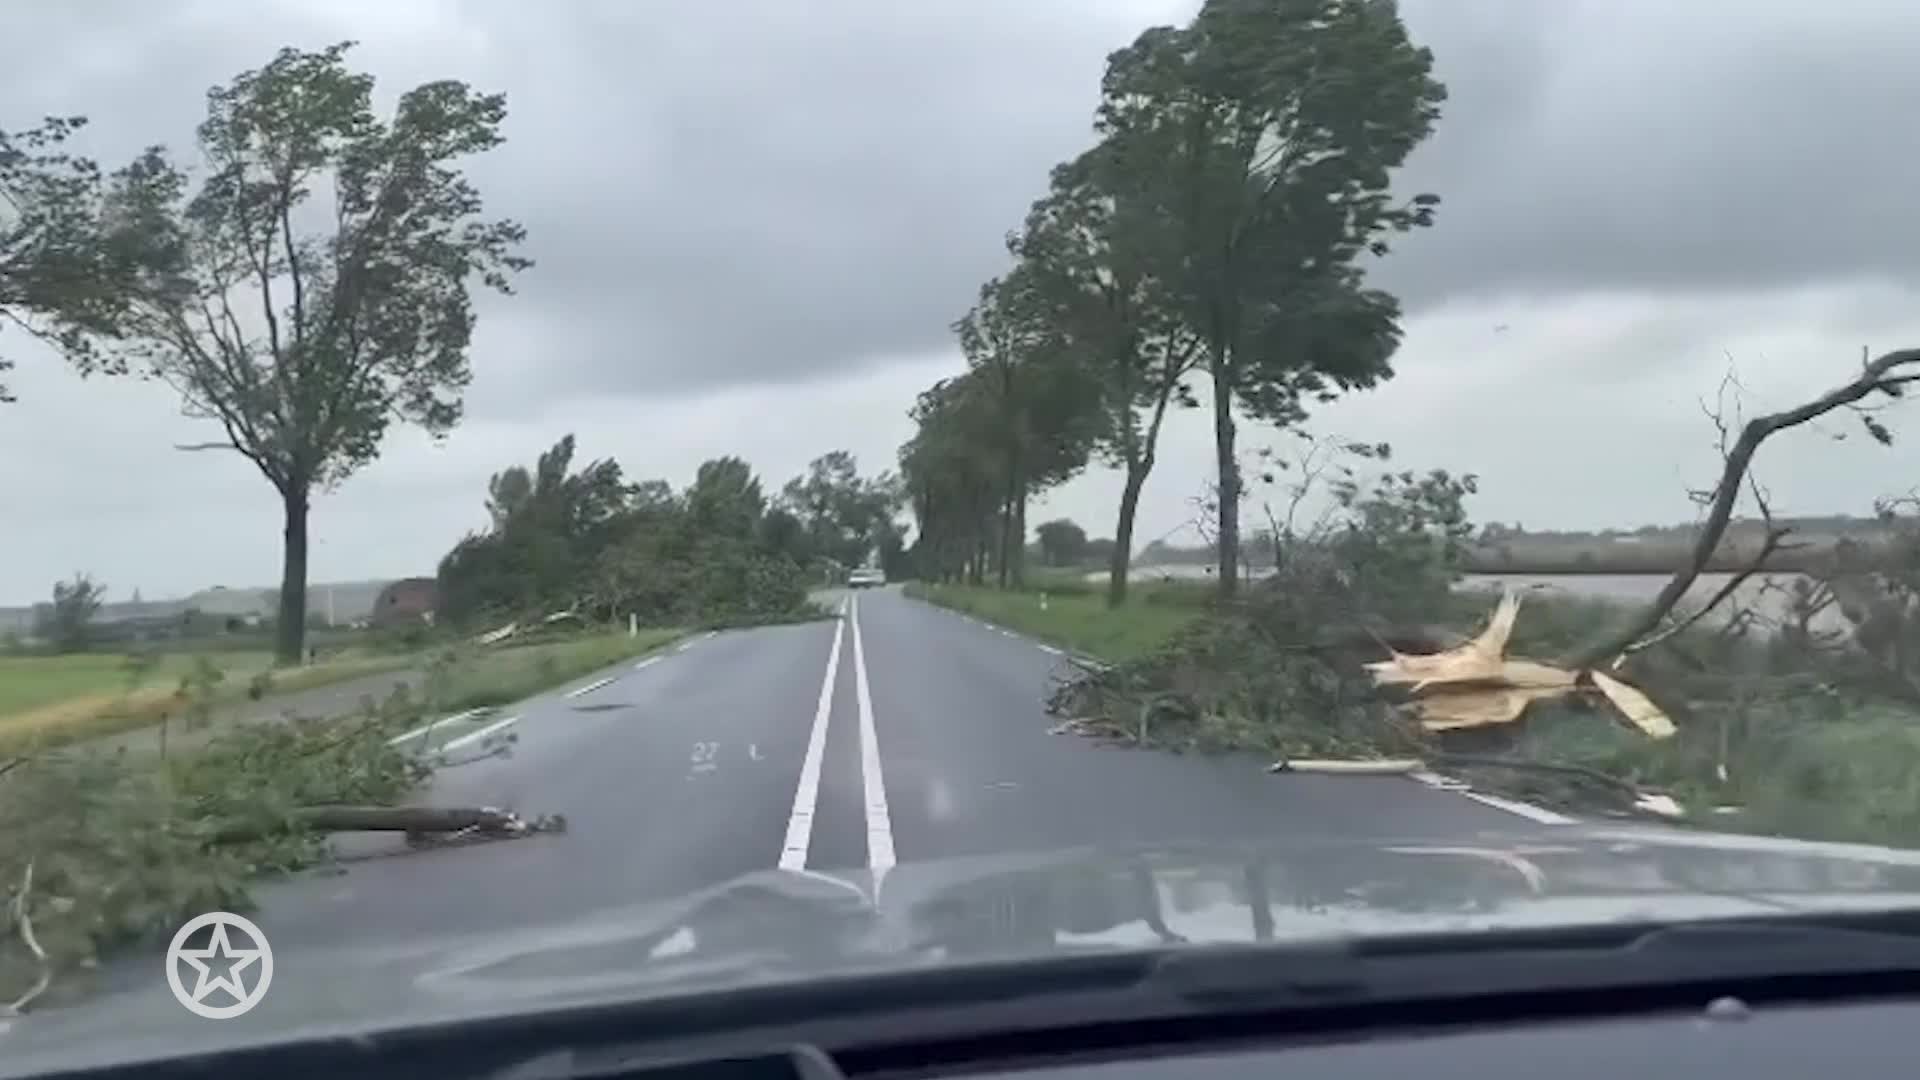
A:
x,y
32,682
46,700
1076,617
49,700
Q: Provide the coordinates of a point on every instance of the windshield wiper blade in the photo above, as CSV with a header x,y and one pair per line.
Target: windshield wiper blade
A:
x,y
1499,961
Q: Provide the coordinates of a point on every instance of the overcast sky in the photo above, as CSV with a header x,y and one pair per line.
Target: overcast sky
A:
x,y
755,220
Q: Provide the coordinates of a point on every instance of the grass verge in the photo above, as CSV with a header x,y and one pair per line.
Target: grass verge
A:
x,y
1767,743
1078,620
480,678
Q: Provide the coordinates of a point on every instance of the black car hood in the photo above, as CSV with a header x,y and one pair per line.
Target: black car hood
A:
x,y
783,926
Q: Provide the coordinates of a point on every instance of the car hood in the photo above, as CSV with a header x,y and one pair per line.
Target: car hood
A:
x,y
787,926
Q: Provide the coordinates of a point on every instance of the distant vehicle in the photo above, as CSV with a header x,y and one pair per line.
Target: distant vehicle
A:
x,y
867,577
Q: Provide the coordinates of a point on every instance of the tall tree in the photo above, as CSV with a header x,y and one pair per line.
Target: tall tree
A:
x,y
1093,247
1266,133
726,499
1039,409
844,514
951,479
1062,542
68,622
71,253
548,525
304,346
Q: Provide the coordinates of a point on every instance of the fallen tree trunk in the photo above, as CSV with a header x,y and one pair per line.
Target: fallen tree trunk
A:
x,y
413,820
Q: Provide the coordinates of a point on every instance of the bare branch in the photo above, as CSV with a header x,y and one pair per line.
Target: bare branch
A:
x,y
1768,547
1732,475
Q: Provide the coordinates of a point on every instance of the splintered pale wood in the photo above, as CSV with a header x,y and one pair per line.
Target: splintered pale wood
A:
x,y
1635,706
1479,660
1475,685
1456,708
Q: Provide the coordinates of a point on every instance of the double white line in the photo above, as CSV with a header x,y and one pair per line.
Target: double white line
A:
x,y
793,854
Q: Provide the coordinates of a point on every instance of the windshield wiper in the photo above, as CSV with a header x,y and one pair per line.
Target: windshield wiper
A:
x,y
1520,960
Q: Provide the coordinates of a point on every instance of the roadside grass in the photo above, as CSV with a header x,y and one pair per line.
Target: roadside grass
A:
x,y
48,701
480,679
1079,620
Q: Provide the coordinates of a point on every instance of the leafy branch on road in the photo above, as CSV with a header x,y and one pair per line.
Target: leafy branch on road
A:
x,y
126,846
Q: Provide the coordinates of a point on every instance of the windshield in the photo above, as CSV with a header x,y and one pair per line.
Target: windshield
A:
x,y
625,498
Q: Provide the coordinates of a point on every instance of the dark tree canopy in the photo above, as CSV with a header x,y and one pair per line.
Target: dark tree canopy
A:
x,y
1265,135
68,622
844,515
1062,543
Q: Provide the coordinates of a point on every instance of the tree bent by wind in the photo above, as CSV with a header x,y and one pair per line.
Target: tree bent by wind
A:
x,y
318,291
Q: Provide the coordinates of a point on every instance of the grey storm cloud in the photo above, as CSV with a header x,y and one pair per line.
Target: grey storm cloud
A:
x,y
1641,145
768,192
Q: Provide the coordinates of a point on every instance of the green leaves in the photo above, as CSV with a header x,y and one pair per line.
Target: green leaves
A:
x,y
833,512
1242,176
69,621
73,251
314,288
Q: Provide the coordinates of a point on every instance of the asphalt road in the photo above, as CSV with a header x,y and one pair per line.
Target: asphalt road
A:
x,y
896,733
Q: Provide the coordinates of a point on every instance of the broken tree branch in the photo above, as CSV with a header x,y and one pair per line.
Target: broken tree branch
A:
x,y
24,921
1739,457
1771,544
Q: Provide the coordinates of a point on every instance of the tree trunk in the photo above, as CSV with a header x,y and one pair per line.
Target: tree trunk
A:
x,y
290,637
1007,539
1020,539
1123,535
1229,472
1009,511
412,819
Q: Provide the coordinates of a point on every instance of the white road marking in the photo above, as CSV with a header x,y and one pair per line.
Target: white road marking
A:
x,y
590,687
647,663
475,736
436,725
1050,650
691,642
1526,810
753,751
879,821
793,854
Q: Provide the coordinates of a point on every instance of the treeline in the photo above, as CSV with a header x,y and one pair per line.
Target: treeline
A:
x,y
1216,234
590,542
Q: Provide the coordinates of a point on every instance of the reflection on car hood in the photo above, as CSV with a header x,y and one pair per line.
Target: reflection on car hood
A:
x,y
780,926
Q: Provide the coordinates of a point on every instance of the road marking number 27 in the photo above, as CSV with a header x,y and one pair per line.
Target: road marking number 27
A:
x,y
706,756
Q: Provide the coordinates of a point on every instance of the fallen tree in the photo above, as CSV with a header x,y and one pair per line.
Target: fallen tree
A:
x,y
1355,656
103,850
